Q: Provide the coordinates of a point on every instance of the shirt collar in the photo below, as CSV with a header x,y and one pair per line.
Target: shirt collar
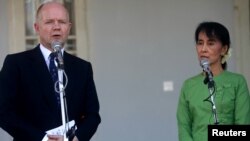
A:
x,y
46,52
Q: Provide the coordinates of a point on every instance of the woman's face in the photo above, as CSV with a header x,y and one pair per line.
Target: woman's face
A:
x,y
210,48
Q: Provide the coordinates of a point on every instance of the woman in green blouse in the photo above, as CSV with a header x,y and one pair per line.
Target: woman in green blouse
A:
x,y
230,94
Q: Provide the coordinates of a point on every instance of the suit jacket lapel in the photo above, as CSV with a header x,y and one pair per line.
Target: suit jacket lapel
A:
x,y
43,77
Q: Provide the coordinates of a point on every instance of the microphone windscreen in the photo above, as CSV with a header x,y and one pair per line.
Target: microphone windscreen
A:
x,y
204,62
56,45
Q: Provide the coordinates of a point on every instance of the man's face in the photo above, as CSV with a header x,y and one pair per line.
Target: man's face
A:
x,y
52,24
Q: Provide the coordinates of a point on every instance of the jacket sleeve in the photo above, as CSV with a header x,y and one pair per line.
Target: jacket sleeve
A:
x,y
87,127
242,103
10,121
184,118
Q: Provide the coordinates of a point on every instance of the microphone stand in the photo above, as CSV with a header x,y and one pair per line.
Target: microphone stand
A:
x,y
211,87
62,101
65,120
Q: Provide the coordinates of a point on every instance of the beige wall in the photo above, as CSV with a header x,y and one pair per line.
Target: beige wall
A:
x,y
133,46
4,36
3,48
242,30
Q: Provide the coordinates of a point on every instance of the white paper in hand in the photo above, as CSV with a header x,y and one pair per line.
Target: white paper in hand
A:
x,y
58,130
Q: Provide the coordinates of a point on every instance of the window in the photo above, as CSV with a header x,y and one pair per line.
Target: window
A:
x,y
22,33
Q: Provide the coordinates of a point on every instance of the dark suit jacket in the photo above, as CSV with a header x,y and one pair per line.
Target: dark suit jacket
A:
x,y
27,99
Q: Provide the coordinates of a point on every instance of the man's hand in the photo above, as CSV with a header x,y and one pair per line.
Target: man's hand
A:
x,y
75,139
59,138
55,137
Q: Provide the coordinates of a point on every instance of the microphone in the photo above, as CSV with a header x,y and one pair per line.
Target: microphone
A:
x,y
56,45
205,65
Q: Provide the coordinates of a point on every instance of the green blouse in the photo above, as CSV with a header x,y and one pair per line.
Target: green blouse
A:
x,y
232,101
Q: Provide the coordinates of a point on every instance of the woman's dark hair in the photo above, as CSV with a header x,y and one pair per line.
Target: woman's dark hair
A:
x,y
214,30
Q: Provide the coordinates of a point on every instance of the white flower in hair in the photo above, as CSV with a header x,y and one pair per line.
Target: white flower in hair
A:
x,y
226,56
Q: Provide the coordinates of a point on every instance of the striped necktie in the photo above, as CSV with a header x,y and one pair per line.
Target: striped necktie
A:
x,y
54,74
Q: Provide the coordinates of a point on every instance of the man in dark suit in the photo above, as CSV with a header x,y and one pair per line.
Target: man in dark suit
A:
x,y
28,106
